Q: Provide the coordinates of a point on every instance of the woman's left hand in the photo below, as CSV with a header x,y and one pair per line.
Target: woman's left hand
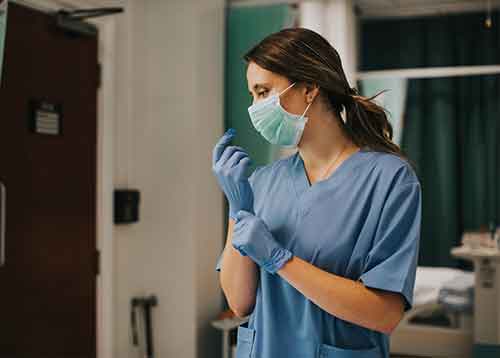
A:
x,y
252,237
229,164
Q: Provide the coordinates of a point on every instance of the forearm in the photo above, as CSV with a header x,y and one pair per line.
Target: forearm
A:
x,y
344,298
238,277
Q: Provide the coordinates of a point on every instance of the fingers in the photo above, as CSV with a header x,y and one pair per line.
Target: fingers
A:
x,y
228,153
237,164
235,158
241,166
221,145
230,157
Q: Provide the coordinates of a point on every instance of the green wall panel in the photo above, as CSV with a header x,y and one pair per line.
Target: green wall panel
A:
x,y
246,26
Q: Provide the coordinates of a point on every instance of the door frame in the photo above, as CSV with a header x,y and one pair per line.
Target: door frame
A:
x,y
105,163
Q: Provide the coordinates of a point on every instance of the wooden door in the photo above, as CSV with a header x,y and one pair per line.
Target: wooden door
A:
x,y
48,170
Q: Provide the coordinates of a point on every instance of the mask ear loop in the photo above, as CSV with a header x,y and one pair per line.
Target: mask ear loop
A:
x,y
309,105
286,89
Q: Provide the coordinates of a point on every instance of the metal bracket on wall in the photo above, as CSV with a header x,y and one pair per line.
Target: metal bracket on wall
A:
x,y
74,21
146,303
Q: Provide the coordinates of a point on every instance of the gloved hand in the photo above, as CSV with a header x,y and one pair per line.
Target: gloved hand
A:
x,y
252,237
229,164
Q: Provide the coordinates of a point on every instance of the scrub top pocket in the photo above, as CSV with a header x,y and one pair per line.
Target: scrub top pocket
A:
x,y
328,351
244,342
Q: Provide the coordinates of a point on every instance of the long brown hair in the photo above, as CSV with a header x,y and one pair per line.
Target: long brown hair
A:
x,y
302,55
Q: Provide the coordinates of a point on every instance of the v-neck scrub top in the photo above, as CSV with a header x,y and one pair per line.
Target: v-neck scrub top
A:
x,y
361,223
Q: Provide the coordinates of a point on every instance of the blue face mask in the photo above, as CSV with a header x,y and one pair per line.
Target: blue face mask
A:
x,y
275,124
3,29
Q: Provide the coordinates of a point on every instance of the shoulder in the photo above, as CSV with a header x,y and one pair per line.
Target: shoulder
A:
x,y
392,169
399,193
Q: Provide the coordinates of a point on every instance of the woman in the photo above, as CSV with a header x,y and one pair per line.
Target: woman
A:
x,y
322,245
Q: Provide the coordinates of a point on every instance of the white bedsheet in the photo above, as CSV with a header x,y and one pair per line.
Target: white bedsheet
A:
x,y
430,280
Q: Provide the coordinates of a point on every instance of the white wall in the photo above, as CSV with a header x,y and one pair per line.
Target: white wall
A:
x,y
169,115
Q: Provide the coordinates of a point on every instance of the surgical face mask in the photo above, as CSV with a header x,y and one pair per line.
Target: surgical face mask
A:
x,y
3,29
275,124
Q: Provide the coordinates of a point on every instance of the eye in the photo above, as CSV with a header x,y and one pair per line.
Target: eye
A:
x,y
262,93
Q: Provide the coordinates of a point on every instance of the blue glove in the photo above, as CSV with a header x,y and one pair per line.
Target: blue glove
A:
x,y
252,237
229,164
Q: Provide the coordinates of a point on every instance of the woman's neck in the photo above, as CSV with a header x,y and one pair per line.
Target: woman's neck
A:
x,y
322,141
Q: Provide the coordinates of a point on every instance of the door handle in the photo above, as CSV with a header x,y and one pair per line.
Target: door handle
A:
x,y
3,209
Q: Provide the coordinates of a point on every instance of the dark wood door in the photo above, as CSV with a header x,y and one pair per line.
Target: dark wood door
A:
x,y
48,279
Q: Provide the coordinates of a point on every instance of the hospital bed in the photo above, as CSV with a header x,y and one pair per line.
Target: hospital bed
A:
x,y
440,323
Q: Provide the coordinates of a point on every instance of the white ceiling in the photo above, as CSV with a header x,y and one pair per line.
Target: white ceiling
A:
x,y
397,8
365,8
404,8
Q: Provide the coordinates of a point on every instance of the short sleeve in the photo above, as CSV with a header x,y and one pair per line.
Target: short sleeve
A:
x,y
391,263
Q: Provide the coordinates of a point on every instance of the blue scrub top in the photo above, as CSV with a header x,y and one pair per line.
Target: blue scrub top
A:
x,y
362,223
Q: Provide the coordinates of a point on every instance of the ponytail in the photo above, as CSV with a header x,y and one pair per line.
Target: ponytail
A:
x,y
367,125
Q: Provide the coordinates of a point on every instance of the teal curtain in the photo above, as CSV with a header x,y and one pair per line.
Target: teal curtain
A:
x,y
3,30
246,26
451,125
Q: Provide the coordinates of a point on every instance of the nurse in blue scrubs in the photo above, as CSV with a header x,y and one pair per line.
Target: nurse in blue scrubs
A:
x,y
322,245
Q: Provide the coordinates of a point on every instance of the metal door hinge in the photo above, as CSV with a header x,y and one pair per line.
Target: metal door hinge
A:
x,y
74,21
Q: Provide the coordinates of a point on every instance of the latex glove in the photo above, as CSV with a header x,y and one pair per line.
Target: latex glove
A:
x,y
252,237
229,164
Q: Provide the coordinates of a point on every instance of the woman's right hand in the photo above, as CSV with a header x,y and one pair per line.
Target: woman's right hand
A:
x,y
229,164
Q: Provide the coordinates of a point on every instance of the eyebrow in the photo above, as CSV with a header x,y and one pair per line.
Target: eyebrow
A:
x,y
259,85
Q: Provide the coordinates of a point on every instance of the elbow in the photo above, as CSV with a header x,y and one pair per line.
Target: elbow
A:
x,y
242,307
241,311
392,313
388,328
238,313
391,322
240,303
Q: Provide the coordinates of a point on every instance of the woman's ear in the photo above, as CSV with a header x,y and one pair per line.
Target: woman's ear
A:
x,y
312,91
